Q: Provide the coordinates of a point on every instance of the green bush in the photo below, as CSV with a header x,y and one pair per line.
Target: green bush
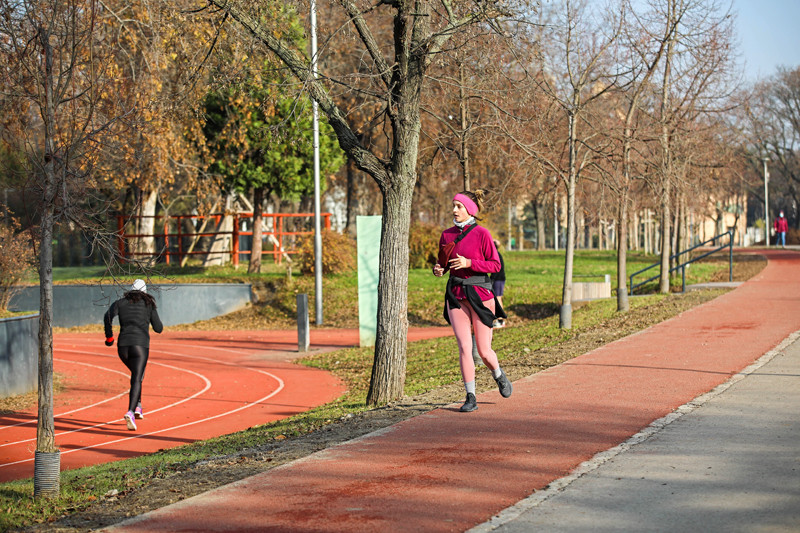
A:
x,y
338,253
423,244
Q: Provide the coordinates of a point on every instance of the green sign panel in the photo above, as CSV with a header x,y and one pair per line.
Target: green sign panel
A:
x,y
368,236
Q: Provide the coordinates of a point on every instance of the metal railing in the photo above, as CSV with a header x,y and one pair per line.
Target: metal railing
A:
x,y
682,266
173,233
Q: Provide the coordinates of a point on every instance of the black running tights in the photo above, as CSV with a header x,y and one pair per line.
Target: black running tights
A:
x,y
135,358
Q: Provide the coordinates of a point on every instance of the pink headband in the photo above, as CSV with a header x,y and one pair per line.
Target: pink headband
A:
x,y
472,207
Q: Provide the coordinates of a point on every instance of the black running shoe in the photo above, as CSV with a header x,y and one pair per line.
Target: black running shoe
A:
x,y
504,385
470,404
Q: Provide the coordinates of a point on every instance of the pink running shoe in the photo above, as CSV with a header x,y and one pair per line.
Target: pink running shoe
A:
x,y
138,412
129,420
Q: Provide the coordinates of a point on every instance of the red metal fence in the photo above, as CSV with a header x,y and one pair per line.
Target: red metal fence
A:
x,y
171,240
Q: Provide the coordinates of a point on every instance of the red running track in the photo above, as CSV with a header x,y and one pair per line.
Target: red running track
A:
x,y
196,386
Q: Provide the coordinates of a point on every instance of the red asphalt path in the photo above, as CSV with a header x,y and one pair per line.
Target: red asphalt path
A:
x,y
449,471
196,386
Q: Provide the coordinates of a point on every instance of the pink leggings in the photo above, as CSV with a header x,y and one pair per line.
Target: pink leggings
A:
x,y
464,321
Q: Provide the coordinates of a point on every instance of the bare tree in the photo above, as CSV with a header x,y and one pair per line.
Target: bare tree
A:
x,y
579,68
56,74
644,45
420,31
697,74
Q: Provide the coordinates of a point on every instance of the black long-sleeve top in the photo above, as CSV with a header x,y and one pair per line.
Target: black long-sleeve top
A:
x,y
135,319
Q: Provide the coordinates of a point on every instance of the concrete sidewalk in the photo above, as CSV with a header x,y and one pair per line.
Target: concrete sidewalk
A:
x,y
727,462
452,471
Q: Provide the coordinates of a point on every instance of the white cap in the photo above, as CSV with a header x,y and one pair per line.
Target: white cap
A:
x,y
139,285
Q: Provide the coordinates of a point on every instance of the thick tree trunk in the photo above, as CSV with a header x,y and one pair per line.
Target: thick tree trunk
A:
x,y
389,368
146,244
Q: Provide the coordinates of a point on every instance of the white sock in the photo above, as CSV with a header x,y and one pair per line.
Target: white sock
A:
x,y
497,372
470,387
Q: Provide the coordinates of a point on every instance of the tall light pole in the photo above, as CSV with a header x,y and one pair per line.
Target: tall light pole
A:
x,y
317,216
766,200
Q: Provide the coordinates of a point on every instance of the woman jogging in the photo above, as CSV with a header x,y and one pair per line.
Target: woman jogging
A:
x,y
467,251
137,312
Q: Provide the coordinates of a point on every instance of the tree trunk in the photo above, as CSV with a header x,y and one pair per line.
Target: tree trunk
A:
x,y
666,164
540,227
556,221
254,267
146,245
350,199
389,367
623,305
45,428
565,320
462,107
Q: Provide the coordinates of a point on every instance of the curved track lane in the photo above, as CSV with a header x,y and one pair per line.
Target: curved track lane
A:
x,y
197,385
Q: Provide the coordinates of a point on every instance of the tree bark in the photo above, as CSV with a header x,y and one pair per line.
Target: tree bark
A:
x,y
254,266
623,305
462,107
540,226
45,428
389,365
146,245
565,320
666,164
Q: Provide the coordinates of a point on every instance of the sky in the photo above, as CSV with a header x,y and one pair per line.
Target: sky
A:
x,y
768,34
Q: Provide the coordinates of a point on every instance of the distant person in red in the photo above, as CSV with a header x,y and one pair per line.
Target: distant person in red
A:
x,y
781,227
137,312
467,251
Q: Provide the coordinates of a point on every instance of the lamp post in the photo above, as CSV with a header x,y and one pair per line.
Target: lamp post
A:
x,y
317,225
766,200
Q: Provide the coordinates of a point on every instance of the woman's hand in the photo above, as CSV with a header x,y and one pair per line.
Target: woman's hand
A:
x,y
460,262
438,271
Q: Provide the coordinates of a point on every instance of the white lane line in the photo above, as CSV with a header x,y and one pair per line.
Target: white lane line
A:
x,y
267,397
195,395
281,385
79,408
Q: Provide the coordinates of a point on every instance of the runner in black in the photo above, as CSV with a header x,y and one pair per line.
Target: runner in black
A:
x,y
137,312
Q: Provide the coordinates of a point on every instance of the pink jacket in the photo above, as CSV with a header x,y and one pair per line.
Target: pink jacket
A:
x,y
781,225
478,247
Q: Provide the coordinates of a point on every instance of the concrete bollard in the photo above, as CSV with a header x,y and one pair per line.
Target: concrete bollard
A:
x,y
303,337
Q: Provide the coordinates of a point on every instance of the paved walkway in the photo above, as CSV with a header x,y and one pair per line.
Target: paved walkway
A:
x,y
451,471
727,463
